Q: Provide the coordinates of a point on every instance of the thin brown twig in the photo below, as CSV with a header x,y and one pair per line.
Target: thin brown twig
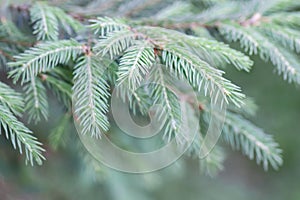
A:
x,y
22,43
7,55
186,25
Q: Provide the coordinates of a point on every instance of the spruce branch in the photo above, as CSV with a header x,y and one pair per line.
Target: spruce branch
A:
x,y
233,32
253,141
90,94
213,48
118,41
135,64
43,57
46,20
105,25
20,136
61,89
12,99
125,52
113,44
36,101
45,23
221,51
286,19
200,75
286,36
170,112
256,41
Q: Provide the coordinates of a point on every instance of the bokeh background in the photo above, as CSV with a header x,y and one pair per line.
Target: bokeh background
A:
x,y
66,176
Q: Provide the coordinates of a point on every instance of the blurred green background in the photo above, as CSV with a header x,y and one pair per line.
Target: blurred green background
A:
x,y
65,176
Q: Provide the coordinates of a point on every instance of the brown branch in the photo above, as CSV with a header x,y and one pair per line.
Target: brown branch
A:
x,y
186,25
7,55
22,43
20,8
144,36
188,98
173,25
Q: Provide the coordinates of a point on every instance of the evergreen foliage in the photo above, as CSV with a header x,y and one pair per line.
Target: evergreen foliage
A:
x,y
90,93
11,104
187,41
